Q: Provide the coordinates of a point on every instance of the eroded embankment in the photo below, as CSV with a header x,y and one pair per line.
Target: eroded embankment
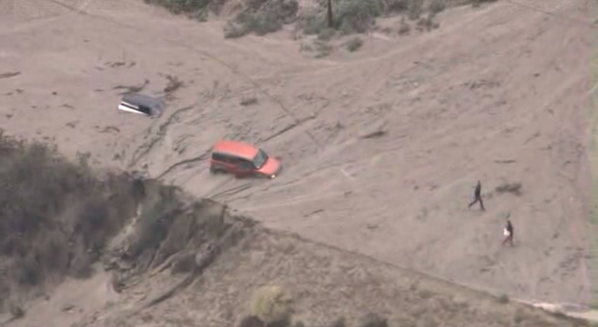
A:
x,y
55,218
175,260
172,233
58,218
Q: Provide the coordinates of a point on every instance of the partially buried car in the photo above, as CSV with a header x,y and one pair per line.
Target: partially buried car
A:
x,y
242,160
141,104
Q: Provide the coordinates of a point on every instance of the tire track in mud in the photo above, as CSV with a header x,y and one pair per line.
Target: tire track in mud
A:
x,y
201,157
143,150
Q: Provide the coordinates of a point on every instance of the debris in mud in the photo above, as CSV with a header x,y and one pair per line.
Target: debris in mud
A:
x,y
17,311
373,320
514,188
132,88
483,83
404,27
17,91
375,130
508,161
427,23
68,307
9,75
313,213
251,321
248,101
118,64
172,86
375,134
108,129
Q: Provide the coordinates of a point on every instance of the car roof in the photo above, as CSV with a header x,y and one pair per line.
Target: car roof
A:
x,y
235,148
142,99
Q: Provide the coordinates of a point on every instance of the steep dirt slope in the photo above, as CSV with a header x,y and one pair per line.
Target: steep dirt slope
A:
x,y
497,94
324,284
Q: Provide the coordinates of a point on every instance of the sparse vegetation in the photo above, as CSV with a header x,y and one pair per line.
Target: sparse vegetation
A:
x,y
373,320
55,217
355,16
338,322
427,23
272,305
251,321
404,27
298,324
172,86
322,49
131,88
503,299
350,16
415,8
198,9
437,6
181,6
261,18
477,3
326,34
16,311
354,44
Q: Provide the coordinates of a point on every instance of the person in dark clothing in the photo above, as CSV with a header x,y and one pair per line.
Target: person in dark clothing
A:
x,y
508,233
478,196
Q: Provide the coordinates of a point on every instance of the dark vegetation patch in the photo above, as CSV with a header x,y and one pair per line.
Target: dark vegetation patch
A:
x,y
55,216
58,218
262,17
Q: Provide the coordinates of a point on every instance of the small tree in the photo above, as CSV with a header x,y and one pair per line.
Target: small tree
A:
x,y
330,19
272,305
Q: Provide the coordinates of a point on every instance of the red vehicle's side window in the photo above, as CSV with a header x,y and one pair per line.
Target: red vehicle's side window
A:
x,y
245,165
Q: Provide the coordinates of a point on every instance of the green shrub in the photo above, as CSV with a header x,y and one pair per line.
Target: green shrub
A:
x,y
414,9
437,6
503,299
55,216
322,49
354,16
272,305
354,44
326,34
373,320
263,20
181,6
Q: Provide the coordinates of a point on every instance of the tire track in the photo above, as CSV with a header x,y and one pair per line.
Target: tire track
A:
x,y
144,150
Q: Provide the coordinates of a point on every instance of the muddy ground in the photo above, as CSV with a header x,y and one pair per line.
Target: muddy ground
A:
x,y
497,94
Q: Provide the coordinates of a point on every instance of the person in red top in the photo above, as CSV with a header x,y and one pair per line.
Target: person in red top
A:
x,y
508,233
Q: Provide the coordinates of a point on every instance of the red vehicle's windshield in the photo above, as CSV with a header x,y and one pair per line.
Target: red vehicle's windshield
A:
x,y
260,159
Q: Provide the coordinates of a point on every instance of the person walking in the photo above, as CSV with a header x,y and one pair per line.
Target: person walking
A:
x,y
478,196
508,233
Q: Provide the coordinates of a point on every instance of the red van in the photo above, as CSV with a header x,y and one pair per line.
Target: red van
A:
x,y
242,160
